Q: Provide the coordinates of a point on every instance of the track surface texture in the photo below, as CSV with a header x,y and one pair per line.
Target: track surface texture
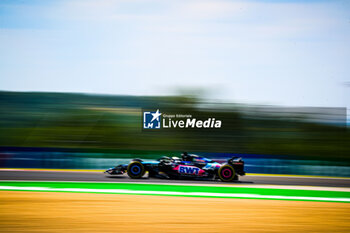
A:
x,y
83,212
100,177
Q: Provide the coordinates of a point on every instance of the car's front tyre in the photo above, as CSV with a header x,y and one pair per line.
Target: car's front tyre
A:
x,y
136,170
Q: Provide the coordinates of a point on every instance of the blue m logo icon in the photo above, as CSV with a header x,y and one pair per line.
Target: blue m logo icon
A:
x,y
151,120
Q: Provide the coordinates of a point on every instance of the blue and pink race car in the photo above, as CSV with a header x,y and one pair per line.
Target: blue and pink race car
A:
x,y
188,166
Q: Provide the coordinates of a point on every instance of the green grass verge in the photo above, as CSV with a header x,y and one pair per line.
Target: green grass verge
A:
x,y
182,190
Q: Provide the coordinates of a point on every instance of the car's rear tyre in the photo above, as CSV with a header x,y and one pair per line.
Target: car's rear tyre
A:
x,y
136,170
226,173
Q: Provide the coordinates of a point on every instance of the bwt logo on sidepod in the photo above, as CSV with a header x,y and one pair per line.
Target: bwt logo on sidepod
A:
x,y
151,120
189,170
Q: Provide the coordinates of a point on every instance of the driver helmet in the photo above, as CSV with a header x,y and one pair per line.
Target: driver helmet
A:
x,y
186,157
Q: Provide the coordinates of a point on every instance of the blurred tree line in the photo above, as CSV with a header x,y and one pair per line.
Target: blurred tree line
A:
x,y
111,124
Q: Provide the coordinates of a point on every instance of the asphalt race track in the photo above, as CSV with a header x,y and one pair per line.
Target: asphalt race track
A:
x,y
100,177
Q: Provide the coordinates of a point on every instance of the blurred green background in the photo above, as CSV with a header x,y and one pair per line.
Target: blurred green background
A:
x,y
112,125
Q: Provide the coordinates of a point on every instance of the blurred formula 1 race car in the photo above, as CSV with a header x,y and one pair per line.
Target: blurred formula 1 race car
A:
x,y
188,166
